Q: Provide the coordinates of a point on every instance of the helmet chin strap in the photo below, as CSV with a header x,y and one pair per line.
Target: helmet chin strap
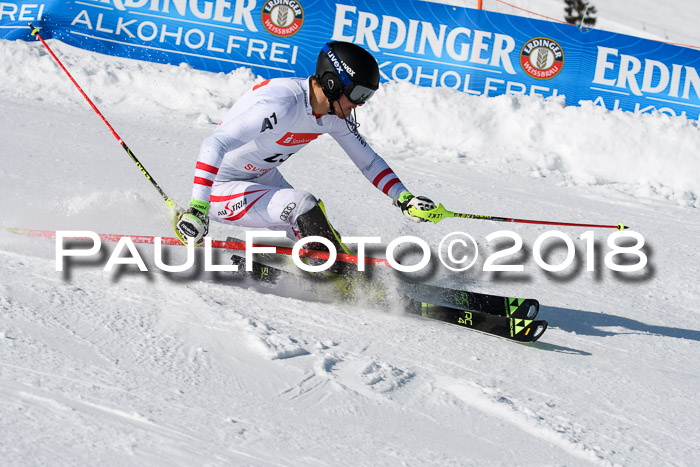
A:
x,y
354,124
331,110
351,124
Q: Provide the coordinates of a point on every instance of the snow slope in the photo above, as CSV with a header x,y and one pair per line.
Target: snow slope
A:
x,y
159,369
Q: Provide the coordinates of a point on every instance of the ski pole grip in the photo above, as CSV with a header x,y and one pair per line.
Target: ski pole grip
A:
x,y
434,215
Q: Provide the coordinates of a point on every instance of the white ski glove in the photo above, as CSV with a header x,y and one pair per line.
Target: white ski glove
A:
x,y
406,200
194,222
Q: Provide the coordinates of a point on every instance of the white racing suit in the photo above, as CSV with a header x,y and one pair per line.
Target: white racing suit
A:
x,y
237,165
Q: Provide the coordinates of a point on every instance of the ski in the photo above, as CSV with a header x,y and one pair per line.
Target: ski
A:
x,y
509,307
496,324
515,329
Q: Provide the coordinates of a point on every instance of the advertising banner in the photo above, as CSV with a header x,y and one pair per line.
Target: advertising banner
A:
x,y
428,44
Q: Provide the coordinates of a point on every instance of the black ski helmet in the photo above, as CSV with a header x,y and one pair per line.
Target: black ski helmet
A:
x,y
346,68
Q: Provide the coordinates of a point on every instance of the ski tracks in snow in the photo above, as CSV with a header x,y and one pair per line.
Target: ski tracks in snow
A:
x,y
98,371
357,372
207,372
557,431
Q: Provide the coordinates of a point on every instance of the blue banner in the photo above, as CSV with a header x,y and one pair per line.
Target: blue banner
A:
x,y
429,44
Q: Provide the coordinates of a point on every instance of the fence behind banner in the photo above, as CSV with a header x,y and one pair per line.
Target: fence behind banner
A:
x,y
428,44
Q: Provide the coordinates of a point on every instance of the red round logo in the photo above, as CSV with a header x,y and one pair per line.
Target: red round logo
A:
x,y
542,58
282,18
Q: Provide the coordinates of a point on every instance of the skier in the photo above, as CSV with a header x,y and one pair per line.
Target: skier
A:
x,y
236,178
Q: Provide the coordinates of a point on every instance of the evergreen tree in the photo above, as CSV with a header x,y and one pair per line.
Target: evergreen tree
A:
x,y
575,9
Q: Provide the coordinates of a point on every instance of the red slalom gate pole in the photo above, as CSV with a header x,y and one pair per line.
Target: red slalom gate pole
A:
x,y
218,244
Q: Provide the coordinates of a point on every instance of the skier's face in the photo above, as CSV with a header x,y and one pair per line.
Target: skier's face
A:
x,y
343,106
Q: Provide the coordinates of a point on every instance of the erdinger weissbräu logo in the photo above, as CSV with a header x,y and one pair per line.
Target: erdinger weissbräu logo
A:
x,y
542,58
282,17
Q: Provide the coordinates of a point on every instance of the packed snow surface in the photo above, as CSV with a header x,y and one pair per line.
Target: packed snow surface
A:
x,y
130,367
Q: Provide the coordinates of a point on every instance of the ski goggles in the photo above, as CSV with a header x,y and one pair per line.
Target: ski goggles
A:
x,y
358,94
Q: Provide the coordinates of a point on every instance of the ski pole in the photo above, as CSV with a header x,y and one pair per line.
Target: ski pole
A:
x,y
169,201
440,213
